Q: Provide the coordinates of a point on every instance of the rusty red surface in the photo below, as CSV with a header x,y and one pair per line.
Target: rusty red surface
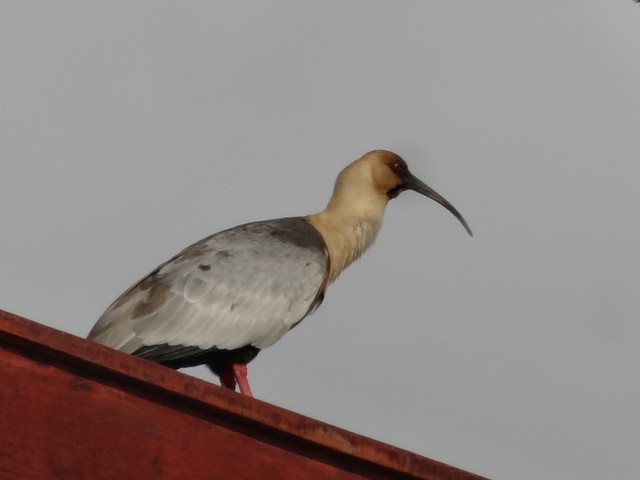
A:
x,y
74,409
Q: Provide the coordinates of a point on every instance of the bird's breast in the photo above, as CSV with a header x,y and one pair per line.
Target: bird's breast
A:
x,y
346,239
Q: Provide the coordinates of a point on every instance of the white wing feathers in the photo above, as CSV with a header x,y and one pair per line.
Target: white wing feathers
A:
x,y
243,286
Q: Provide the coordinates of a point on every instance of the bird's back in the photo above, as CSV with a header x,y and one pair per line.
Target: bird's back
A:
x,y
246,286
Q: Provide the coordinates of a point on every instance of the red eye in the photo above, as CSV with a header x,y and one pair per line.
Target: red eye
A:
x,y
398,166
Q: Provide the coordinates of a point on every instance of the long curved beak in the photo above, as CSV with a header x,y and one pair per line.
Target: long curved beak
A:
x,y
415,184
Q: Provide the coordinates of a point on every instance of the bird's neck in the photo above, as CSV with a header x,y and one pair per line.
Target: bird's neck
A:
x,y
349,225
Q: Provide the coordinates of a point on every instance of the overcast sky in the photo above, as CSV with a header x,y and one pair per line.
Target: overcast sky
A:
x,y
129,130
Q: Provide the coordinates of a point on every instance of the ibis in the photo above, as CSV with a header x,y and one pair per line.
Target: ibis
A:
x,y
223,299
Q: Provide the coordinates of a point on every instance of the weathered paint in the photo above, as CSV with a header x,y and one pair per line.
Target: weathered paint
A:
x,y
75,409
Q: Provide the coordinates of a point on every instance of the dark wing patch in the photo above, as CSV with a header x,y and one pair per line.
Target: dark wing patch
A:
x,y
180,356
165,353
299,232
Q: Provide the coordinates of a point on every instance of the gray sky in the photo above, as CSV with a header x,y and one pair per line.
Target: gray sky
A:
x,y
132,129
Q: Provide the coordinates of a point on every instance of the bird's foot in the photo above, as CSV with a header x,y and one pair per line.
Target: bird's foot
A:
x,y
240,376
236,375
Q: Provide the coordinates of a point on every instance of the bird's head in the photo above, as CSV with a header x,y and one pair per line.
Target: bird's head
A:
x,y
388,175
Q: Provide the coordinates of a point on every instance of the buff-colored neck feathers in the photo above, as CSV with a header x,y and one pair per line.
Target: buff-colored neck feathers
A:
x,y
353,217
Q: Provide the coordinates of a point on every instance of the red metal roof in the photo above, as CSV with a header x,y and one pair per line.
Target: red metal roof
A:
x,y
73,409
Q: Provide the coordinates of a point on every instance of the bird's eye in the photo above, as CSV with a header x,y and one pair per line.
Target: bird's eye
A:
x,y
396,167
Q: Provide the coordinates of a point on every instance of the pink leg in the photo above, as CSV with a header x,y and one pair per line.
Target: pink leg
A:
x,y
240,375
227,379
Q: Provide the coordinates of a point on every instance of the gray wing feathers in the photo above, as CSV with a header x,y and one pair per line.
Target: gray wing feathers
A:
x,y
245,286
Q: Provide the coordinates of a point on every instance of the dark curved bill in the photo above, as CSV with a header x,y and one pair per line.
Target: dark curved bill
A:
x,y
415,184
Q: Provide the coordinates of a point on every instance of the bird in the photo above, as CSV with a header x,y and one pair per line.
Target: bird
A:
x,y
223,299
